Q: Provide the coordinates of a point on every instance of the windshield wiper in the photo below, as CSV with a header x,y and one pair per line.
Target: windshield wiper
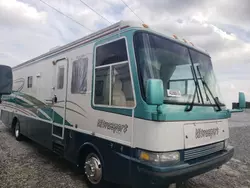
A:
x,y
206,86
197,87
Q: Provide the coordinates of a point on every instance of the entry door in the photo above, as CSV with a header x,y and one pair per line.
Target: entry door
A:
x,y
59,97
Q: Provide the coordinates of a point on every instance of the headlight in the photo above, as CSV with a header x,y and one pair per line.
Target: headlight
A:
x,y
225,143
166,158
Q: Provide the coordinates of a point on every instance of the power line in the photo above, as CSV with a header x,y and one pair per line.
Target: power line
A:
x,y
95,11
65,15
132,11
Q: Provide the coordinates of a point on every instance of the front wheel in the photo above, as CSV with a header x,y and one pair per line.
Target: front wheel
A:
x,y
93,170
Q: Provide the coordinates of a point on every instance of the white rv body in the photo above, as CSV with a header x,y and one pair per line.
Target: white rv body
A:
x,y
51,113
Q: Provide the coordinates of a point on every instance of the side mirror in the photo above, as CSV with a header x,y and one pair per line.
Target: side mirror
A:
x,y
6,80
242,100
241,104
154,92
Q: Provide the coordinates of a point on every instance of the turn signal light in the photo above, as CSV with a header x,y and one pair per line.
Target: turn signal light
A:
x,y
175,36
191,43
144,156
184,40
145,25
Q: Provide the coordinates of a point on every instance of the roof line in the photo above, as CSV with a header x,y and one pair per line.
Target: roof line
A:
x,y
101,33
72,44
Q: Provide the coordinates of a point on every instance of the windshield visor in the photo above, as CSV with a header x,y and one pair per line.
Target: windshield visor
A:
x,y
178,67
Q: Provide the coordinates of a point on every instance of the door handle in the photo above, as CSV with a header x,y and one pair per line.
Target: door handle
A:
x,y
54,99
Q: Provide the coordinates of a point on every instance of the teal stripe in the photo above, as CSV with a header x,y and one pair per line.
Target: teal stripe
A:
x,y
41,106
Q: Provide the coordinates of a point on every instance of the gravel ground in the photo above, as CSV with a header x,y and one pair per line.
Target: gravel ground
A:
x,y
25,164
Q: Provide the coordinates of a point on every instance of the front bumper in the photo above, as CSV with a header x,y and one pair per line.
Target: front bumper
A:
x,y
146,175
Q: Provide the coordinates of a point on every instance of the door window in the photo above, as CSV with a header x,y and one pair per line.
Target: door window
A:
x,y
60,77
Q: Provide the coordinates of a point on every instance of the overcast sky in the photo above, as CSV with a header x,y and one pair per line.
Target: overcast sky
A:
x,y
29,28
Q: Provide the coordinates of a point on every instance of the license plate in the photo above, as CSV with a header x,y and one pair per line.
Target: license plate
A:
x,y
203,133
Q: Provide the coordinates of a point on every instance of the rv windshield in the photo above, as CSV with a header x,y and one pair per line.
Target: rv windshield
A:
x,y
178,67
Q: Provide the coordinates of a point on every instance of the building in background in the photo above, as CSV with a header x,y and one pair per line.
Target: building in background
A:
x,y
235,105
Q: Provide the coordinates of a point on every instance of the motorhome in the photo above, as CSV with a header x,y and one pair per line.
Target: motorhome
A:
x,y
127,104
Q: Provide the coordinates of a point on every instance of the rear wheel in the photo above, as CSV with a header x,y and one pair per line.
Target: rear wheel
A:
x,y
93,170
17,133
182,184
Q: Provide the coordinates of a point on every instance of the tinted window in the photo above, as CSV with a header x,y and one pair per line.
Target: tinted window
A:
x,y
79,76
102,85
160,58
122,93
113,84
60,77
111,53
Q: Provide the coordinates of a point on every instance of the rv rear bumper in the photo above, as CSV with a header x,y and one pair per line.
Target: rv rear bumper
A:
x,y
146,175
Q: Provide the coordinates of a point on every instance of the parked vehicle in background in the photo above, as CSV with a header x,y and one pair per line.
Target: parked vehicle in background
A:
x,y
6,80
126,104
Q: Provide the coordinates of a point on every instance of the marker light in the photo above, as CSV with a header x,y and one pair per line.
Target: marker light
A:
x,y
175,36
144,156
169,158
145,25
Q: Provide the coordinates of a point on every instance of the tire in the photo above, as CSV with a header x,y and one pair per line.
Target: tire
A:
x,y
93,170
17,132
179,185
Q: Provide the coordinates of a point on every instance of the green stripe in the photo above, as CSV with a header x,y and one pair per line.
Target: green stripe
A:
x,y
41,106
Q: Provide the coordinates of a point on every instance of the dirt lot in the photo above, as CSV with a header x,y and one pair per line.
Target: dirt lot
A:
x,y
25,164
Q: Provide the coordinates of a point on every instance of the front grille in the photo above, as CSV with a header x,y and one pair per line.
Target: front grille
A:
x,y
202,151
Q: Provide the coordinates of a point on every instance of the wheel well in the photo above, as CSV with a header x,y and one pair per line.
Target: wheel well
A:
x,y
14,121
85,149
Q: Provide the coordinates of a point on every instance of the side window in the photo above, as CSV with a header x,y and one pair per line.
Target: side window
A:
x,y
121,88
79,76
113,52
60,77
29,83
102,85
113,85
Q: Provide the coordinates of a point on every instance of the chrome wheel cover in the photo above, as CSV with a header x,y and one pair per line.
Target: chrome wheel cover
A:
x,y
93,168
